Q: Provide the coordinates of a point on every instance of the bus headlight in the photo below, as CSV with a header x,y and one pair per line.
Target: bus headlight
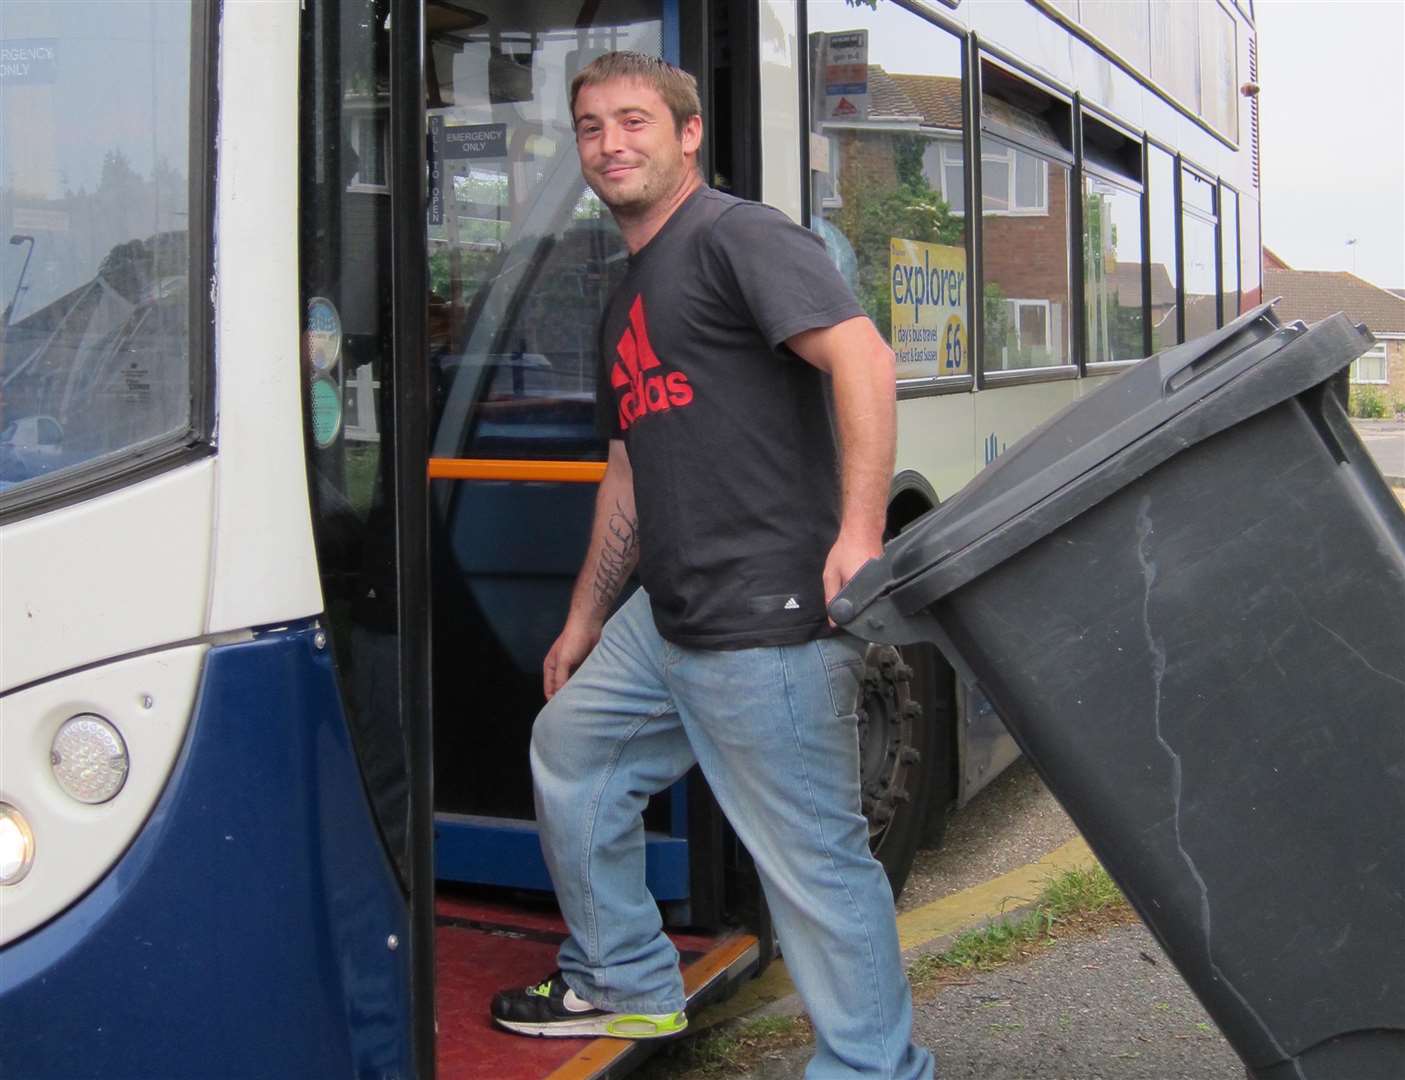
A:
x,y
89,758
16,845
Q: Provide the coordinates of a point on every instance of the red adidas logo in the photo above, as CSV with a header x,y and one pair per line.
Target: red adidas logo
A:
x,y
643,393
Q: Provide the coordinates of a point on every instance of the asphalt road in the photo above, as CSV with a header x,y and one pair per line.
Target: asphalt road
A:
x,y
1385,441
1012,822
1107,1007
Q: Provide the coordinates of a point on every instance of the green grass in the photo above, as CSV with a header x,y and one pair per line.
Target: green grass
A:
x,y
1080,892
728,1049
1073,897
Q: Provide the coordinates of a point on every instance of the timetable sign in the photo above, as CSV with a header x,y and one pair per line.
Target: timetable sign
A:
x,y
846,75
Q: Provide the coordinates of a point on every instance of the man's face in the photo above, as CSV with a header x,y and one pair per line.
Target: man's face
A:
x,y
631,154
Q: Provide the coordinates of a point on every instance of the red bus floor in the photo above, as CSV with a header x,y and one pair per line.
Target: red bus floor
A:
x,y
483,945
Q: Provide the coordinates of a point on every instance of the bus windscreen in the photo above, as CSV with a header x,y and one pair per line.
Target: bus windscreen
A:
x,y
95,270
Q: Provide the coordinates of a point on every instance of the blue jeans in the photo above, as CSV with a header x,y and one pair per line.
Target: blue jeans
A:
x,y
775,733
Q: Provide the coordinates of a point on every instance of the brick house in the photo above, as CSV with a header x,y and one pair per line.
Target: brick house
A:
x,y
1026,202
1311,295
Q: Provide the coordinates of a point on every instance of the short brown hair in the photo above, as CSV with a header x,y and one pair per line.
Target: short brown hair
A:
x,y
678,89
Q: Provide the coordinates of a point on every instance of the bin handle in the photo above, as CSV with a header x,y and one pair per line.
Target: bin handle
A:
x,y
1229,345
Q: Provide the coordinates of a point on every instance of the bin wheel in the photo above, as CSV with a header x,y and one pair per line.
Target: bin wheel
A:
x,y
898,746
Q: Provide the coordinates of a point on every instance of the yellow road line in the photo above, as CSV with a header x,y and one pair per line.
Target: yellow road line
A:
x,y
952,914
973,906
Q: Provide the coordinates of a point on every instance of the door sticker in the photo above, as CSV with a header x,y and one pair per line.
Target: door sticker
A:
x,y
323,334
326,411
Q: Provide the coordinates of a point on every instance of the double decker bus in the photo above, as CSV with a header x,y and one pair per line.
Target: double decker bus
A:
x,y
297,373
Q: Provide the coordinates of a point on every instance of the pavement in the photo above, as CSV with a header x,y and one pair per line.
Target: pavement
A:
x,y
1013,822
1104,1006
1109,1006
1385,442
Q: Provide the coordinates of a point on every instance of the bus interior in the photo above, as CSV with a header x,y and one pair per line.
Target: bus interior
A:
x,y
521,257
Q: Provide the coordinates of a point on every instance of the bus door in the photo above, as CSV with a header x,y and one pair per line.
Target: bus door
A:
x,y
522,257
454,266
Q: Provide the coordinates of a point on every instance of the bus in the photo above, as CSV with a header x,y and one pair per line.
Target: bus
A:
x,y
297,376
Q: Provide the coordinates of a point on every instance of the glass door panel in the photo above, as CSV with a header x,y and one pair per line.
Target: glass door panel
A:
x,y
522,257
522,254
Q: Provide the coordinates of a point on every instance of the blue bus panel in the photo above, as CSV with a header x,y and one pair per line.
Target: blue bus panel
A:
x,y
248,930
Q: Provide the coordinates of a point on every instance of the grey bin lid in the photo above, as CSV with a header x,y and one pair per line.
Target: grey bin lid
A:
x,y
1085,453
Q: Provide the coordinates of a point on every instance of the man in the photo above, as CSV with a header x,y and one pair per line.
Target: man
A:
x,y
723,486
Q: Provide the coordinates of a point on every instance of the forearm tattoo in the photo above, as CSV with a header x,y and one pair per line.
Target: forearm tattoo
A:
x,y
618,555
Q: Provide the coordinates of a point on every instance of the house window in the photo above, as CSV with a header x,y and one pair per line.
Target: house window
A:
x,y
1029,340
826,191
1370,366
1013,182
953,176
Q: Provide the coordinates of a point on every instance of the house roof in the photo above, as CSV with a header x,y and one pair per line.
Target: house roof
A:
x,y
1312,295
1127,277
1274,261
936,99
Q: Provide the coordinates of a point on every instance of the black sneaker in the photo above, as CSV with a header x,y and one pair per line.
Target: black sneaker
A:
x,y
552,1009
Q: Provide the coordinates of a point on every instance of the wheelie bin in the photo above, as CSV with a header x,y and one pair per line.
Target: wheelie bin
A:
x,y
1185,596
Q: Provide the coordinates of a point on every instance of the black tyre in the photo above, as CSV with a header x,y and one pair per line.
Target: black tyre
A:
x,y
934,684
904,751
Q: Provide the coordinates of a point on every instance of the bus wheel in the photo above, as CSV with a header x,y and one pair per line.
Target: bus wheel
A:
x,y
896,746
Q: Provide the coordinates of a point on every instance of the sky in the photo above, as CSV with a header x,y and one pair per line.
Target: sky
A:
x,y
1332,120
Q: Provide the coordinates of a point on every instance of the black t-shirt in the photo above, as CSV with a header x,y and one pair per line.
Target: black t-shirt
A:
x,y
729,432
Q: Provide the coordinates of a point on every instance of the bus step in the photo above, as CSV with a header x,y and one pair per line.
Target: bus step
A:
x,y
483,946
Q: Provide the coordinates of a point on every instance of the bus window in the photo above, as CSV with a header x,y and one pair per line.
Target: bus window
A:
x,y
1112,245
1219,81
522,254
1161,194
1025,216
1112,238
95,267
1199,258
1123,25
887,176
1175,51
1250,254
1229,254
